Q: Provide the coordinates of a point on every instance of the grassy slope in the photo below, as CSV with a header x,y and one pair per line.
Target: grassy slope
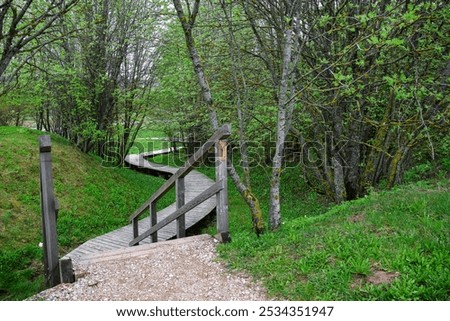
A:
x,y
93,200
335,255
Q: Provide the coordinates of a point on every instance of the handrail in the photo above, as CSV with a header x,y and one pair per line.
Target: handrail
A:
x,y
178,179
212,190
221,133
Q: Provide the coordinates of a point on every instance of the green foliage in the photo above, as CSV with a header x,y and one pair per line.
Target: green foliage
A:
x,y
18,104
376,76
95,73
25,28
93,200
179,111
444,153
149,140
180,108
21,273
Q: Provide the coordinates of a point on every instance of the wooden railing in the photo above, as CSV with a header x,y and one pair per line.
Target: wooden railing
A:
x,y
219,188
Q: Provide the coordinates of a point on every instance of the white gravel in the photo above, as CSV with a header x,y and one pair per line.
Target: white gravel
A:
x,y
186,271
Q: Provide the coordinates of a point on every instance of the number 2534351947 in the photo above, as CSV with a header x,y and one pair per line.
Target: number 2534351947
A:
x,y
295,311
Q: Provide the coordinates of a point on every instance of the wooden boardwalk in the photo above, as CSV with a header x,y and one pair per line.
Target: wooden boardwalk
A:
x,y
120,238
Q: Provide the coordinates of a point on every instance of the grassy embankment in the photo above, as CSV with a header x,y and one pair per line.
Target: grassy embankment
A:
x,y
93,200
391,245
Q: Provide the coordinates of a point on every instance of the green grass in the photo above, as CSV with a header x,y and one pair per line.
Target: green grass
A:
x,y
93,200
328,252
145,141
334,256
334,253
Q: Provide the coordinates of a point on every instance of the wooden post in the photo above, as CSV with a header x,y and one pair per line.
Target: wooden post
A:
x,y
153,221
66,267
135,228
48,209
222,196
181,221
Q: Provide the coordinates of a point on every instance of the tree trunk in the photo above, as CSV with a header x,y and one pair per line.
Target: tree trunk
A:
x,y
245,187
187,24
340,193
395,168
277,161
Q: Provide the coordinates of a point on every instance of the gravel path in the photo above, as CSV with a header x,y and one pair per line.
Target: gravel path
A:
x,y
180,270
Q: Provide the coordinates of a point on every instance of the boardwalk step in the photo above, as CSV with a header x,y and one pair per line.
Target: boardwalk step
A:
x,y
137,251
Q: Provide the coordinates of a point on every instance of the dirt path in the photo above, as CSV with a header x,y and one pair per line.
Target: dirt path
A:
x,y
180,270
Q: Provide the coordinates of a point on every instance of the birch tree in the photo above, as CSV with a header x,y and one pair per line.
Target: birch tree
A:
x,y
275,25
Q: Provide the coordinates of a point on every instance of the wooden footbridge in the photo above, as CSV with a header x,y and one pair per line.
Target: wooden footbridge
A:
x,y
196,197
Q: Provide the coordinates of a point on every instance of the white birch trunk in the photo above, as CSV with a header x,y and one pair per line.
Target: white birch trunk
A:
x,y
283,122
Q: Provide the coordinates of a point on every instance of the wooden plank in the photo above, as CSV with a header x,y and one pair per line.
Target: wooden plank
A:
x,y
187,207
94,246
114,240
158,152
135,228
139,162
45,144
105,244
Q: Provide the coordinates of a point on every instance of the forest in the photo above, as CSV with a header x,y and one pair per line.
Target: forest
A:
x,y
352,94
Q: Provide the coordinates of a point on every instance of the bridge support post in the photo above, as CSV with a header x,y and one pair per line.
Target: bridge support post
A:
x,y
153,221
136,228
181,221
222,196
